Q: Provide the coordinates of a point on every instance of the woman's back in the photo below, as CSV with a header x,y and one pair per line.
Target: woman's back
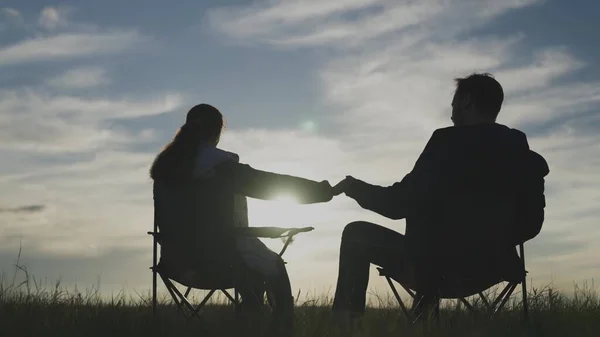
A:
x,y
194,220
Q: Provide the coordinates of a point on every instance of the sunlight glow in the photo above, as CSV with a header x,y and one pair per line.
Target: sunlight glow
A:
x,y
286,199
285,211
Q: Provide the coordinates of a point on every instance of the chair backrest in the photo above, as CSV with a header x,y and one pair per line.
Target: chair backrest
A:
x,y
194,220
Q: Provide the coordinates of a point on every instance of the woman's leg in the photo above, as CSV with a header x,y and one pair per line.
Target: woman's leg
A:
x,y
270,269
279,287
364,243
251,286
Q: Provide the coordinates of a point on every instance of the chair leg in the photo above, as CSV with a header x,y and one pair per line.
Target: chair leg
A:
x,y
525,303
228,295
154,262
398,297
170,287
501,296
154,299
467,304
196,311
410,292
506,297
485,302
236,303
524,284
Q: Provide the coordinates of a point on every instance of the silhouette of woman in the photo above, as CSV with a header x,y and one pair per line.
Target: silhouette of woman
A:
x,y
192,156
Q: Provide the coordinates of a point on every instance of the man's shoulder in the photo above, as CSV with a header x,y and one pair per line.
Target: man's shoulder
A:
x,y
443,131
443,135
487,129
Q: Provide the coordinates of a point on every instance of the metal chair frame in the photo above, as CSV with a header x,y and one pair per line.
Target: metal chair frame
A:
x,y
181,299
493,307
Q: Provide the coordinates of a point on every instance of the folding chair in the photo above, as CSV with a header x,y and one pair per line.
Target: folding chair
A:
x,y
181,300
493,307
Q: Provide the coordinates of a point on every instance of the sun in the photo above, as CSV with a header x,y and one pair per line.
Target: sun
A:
x,y
283,211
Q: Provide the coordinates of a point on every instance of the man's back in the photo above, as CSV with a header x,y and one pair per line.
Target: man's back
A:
x,y
483,187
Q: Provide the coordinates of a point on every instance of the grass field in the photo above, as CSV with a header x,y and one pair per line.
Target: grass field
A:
x,y
29,309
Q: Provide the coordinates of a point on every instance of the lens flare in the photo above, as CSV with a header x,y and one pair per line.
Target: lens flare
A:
x,y
309,126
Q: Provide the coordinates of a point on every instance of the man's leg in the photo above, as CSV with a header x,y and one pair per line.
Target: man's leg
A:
x,y
364,243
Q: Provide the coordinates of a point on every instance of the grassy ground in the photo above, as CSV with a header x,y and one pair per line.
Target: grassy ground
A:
x,y
31,310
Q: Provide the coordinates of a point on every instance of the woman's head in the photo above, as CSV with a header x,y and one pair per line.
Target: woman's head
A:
x,y
203,124
206,122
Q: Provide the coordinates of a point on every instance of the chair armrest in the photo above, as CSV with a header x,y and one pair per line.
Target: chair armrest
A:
x,y
271,232
157,236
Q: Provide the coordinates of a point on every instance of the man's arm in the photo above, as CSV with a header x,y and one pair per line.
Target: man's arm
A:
x,y
400,199
391,201
245,180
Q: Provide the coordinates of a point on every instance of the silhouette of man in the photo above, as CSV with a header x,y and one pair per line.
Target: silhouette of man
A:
x,y
475,192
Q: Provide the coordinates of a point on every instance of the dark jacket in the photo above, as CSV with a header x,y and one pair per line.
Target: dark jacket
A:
x,y
197,218
474,189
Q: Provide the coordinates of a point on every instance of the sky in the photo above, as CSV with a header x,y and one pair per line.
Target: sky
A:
x,y
91,91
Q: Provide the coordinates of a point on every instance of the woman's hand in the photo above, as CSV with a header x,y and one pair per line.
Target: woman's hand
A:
x,y
344,185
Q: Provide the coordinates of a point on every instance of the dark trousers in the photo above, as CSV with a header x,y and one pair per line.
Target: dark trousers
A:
x,y
364,243
252,289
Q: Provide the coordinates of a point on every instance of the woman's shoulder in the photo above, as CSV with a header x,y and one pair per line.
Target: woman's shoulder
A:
x,y
210,157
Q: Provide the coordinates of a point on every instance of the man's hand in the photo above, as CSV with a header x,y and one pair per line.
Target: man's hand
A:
x,y
344,185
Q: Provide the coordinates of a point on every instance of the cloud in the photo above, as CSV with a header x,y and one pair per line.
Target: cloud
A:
x,y
71,156
317,23
32,120
80,78
23,209
94,203
52,18
548,65
10,12
68,46
351,23
388,84
10,18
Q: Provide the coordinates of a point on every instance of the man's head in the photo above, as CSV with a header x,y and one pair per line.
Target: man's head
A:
x,y
477,99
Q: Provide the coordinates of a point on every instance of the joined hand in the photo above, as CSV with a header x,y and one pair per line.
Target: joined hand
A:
x,y
343,185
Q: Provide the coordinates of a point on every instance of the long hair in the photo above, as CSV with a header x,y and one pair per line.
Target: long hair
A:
x,y
175,162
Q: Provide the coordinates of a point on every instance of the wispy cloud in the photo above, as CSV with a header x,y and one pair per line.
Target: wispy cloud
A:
x,y
36,121
69,46
318,23
23,209
547,65
10,12
350,23
10,18
80,78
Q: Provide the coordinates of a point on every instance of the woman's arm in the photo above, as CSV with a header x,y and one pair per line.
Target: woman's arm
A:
x,y
245,180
